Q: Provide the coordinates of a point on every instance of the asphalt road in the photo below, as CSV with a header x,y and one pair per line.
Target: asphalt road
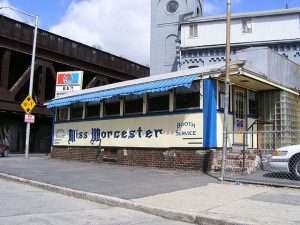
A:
x,y
113,180
24,205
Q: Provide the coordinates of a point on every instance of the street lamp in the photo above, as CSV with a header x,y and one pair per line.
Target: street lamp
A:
x,y
31,70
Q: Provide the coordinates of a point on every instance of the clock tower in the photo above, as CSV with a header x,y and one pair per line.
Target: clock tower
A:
x,y
165,19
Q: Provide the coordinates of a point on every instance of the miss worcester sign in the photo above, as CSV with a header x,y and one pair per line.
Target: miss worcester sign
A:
x,y
184,130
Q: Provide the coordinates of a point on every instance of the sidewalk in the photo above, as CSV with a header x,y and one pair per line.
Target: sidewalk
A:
x,y
105,179
178,195
246,204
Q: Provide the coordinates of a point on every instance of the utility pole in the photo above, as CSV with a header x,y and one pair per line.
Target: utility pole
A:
x,y
227,84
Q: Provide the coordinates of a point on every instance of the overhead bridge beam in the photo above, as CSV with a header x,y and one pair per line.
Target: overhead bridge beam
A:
x,y
14,107
4,72
61,59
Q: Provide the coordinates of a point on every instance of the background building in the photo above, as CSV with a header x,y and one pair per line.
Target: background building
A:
x,y
203,38
166,16
182,38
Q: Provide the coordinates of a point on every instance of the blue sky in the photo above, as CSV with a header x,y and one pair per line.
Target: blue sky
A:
x,y
214,7
51,11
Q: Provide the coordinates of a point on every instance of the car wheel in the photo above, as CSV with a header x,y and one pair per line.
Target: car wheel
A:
x,y
296,168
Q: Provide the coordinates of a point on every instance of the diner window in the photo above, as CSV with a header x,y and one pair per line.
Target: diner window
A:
x,y
188,98
158,102
76,112
111,107
92,110
252,103
221,95
133,104
62,114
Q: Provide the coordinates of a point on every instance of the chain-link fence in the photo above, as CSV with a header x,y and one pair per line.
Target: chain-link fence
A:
x,y
264,157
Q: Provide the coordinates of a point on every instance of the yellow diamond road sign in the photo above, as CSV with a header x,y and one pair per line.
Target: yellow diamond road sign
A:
x,y
28,104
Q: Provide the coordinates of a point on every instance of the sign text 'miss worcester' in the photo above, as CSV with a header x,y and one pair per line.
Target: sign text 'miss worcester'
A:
x,y
97,134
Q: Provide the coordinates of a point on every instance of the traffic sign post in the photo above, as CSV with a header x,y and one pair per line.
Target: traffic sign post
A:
x,y
28,104
29,118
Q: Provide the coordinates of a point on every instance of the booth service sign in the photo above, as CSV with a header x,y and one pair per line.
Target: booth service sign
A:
x,y
67,82
184,130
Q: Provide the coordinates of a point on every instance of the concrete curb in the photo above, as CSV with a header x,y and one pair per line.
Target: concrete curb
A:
x,y
117,202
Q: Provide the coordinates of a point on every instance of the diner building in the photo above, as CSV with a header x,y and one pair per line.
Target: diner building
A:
x,y
175,120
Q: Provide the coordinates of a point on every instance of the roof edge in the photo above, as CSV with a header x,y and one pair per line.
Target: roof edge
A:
x,y
277,12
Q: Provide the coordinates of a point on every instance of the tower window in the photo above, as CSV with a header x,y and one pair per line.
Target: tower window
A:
x,y
247,25
172,6
193,30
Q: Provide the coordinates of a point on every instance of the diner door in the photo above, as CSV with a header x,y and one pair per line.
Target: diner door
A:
x,y
239,115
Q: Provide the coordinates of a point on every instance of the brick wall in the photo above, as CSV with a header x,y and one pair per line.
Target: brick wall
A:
x,y
162,158
179,159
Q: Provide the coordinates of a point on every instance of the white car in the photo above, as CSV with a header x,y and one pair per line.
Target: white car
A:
x,y
286,159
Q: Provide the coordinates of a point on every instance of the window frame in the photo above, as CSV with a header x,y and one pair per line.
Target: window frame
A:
x,y
160,94
193,30
247,25
58,111
79,105
221,109
176,109
111,101
252,114
86,110
138,98
220,93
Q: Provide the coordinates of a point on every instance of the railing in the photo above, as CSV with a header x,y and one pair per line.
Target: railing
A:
x,y
275,160
253,133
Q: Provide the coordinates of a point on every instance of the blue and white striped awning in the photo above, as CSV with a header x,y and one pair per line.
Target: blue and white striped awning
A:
x,y
134,89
